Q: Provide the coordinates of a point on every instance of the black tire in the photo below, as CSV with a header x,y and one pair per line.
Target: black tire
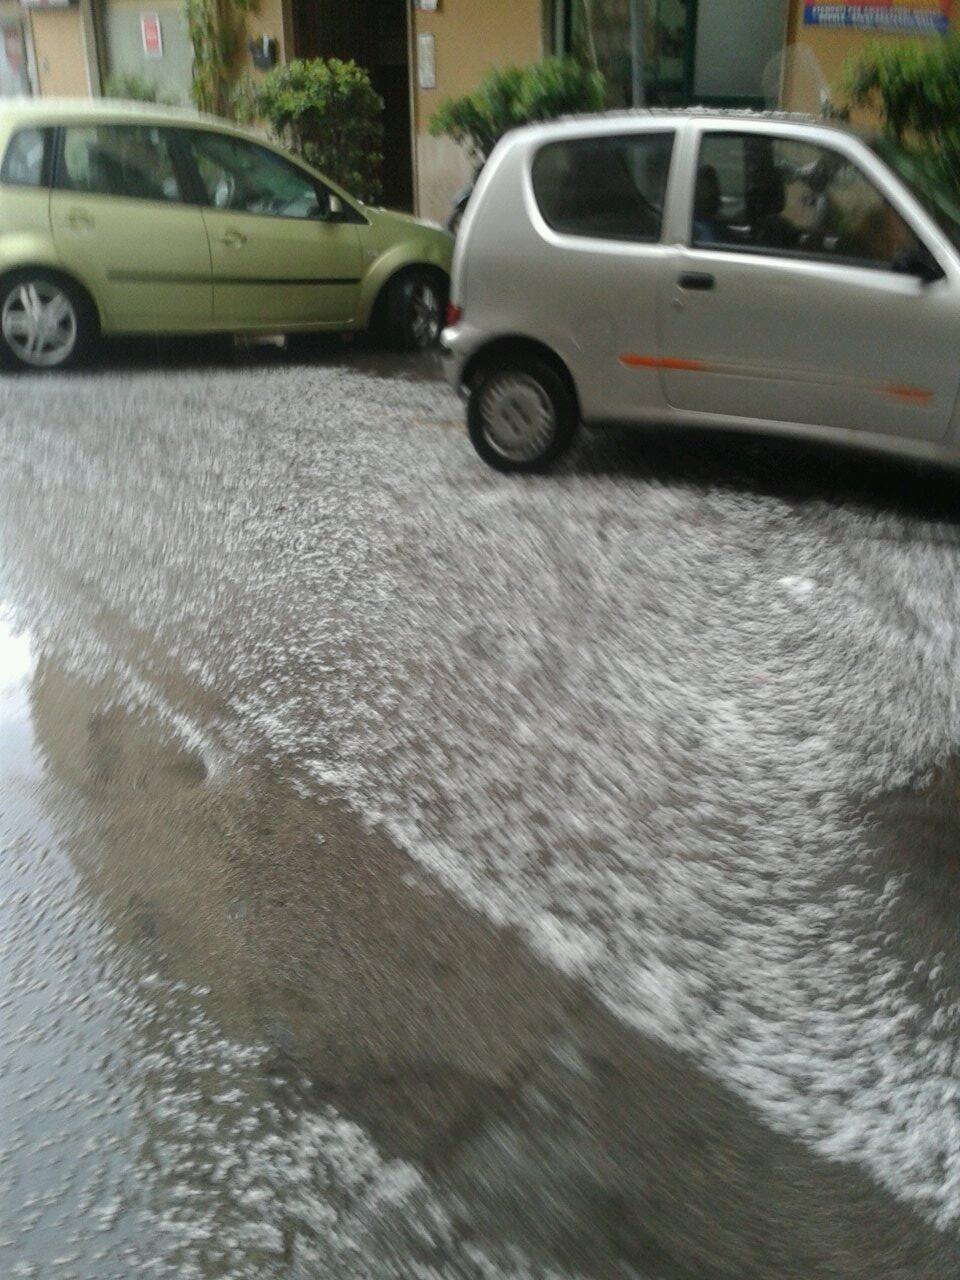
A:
x,y
521,390
66,344
413,309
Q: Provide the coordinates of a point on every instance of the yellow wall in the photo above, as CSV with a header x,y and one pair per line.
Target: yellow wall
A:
x,y
58,44
267,18
471,36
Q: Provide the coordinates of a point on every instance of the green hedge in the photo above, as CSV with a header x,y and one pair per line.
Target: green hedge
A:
x,y
328,113
914,89
512,96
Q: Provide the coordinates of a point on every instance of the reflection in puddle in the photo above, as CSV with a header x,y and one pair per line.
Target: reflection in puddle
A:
x,y
16,663
136,1139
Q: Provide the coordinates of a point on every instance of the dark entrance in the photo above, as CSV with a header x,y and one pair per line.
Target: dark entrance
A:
x,y
374,34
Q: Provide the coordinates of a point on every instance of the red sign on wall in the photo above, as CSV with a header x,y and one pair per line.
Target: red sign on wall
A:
x,y
150,32
13,49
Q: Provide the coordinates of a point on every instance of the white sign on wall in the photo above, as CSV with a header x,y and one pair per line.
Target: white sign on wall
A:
x,y
426,62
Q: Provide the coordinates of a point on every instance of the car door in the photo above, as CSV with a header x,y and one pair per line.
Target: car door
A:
x,y
588,286
124,224
798,297
280,255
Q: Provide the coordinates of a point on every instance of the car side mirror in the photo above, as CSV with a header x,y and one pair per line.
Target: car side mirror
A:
x,y
918,261
329,209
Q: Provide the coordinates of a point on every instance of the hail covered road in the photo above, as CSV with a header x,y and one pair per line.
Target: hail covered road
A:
x,y
410,872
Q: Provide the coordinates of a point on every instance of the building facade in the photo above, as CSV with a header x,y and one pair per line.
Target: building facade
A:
x,y
419,52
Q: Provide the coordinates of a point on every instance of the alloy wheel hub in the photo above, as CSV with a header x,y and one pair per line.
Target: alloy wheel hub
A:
x,y
39,323
425,320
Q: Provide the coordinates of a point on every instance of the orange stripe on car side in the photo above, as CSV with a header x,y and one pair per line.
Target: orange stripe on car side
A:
x,y
919,395
665,362
914,395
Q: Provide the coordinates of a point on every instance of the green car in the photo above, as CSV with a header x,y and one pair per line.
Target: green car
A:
x,y
121,218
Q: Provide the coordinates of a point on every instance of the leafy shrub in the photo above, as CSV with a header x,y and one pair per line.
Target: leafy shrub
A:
x,y
914,88
328,113
512,96
135,88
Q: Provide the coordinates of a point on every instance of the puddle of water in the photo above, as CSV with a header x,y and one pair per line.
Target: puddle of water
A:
x,y
136,1139
225,1054
239,1040
16,737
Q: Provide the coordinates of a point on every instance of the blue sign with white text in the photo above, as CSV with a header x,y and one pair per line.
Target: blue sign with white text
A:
x,y
916,18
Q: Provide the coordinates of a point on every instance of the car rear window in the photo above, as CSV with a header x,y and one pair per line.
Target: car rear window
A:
x,y
133,161
24,161
605,188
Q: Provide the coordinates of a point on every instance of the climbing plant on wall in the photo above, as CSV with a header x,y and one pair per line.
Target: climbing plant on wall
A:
x,y
215,28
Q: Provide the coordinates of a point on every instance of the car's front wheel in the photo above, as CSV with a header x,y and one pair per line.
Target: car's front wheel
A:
x,y
45,321
521,416
415,306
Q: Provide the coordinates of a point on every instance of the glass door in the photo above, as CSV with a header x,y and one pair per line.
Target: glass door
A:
x,y
669,46
643,48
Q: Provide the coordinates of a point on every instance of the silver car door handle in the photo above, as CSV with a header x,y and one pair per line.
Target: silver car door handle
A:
x,y
698,280
232,239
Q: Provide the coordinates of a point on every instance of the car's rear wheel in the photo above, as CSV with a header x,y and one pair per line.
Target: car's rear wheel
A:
x,y
45,321
415,306
521,416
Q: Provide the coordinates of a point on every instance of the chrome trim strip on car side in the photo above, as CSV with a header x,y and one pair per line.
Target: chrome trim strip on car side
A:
x,y
162,277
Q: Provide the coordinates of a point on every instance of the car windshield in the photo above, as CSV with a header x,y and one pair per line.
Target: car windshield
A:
x,y
923,180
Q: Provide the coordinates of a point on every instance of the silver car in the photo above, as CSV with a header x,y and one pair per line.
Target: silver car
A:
x,y
760,272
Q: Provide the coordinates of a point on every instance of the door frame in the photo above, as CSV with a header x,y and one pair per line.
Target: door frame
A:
x,y
301,47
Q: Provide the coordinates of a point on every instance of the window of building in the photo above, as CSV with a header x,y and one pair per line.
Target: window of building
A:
x,y
644,51
759,193
119,160
23,164
675,52
245,178
610,188
127,63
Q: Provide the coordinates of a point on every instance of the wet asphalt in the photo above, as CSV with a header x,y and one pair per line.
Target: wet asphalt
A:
x,y
411,872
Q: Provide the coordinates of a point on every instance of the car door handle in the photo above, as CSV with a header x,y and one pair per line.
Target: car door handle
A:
x,y
232,239
702,281
79,220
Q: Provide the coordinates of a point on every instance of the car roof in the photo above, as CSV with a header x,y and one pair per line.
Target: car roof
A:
x,y
607,122
52,111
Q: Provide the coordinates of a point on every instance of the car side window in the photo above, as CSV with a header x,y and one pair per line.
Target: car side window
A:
x,y
134,161
23,163
244,178
758,193
606,188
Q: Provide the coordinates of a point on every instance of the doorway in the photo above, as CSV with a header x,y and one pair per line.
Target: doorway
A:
x,y
374,34
60,53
